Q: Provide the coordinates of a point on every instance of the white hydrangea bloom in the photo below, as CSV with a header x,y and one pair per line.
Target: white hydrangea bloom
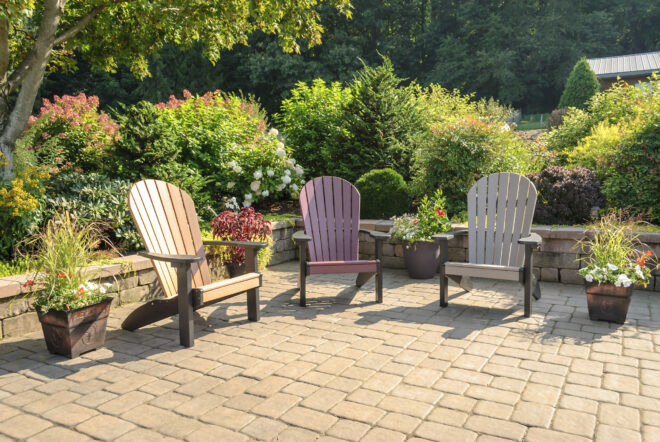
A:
x,y
290,162
273,132
247,203
258,175
232,164
230,184
287,172
238,169
254,185
280,187
270,172
265,193
248,196
280,152
299,170
612,267
286,179
294,187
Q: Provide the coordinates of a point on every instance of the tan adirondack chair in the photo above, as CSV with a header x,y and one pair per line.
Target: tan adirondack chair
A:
x,y
166,218
500,211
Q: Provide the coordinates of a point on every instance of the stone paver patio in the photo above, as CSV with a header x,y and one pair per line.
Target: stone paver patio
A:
x,y
347,368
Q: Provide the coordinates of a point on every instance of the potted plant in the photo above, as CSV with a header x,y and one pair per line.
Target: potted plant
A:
x,y
420,253
616,261
244,225
73,310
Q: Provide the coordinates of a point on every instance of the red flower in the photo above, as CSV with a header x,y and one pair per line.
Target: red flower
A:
x,y
440,212
648,253
81,289
61,274
416,221
28,283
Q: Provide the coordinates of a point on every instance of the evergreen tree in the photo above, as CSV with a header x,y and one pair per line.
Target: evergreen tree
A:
x,y
382,125
581,85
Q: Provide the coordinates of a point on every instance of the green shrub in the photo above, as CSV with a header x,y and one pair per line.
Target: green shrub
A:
x,y
311,122
383,194
95,198
633,179
596,149
225,139
70,132
566,196
441,105
382,125
149,147
460,153
581,85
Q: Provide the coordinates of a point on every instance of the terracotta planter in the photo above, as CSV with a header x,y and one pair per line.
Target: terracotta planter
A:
x,y
422,259
608,302
72,333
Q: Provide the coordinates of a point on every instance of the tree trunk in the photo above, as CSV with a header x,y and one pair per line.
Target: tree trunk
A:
x,y
13,121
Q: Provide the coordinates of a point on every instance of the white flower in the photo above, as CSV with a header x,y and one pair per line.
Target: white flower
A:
x,y
273,132
265,193
270,172
623,280
230,184
299,170
281,187
639,272
257,175
612,266
247,203
505,128
290,162
254,185
286,179
287,172
238,169
231,204
294,187
589,277
232,164
280,152
91,286
248,196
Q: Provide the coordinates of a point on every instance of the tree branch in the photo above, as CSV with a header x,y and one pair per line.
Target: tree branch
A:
x,y
4,50
73,30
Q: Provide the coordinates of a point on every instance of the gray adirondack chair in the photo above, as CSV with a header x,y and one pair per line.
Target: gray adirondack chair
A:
x,y
331,214
500,211
167,221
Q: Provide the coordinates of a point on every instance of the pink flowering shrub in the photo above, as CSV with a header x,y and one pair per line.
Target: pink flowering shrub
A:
x,y
70,132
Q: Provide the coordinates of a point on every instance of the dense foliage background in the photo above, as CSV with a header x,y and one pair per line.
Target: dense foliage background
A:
x,y
518,51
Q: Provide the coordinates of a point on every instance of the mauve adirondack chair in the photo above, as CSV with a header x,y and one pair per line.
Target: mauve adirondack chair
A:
x,y
331,214
166,218
500,211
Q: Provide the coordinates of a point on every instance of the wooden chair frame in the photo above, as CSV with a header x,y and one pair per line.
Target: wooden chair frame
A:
x,y
192,274
513,199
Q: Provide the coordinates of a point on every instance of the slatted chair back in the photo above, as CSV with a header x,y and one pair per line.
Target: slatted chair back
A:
x,y
500,211
167,221
331,214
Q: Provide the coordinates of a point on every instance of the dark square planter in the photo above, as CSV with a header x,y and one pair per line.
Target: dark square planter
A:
x,y
607,302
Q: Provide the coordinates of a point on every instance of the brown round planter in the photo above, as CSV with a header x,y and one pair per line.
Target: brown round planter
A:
x,y
72,333
608,302
422,259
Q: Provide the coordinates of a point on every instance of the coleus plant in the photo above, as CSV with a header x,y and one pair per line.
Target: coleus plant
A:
x,y
245,225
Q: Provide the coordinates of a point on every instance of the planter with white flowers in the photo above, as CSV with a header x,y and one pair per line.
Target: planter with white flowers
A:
x,y
615,263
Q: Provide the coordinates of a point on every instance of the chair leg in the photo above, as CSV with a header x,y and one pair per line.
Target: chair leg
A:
x,y
302,282
253,304
444,288
184,288
379,283
537,289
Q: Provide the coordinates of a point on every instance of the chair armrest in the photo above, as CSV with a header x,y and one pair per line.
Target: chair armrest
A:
x,y
243,244
301,237
533,240
375,234
175,259
448,236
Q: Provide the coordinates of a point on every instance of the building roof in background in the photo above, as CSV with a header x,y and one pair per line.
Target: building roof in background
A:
x,y
633,65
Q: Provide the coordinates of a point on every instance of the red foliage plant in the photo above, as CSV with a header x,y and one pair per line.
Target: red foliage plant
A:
x,y
246,225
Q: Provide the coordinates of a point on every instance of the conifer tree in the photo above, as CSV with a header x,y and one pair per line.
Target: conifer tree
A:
x,y
581,85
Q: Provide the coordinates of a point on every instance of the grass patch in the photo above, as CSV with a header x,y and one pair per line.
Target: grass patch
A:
x,y
533,122
280,217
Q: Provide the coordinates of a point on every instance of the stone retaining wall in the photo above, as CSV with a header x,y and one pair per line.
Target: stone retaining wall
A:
x,y
555,261
133,281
